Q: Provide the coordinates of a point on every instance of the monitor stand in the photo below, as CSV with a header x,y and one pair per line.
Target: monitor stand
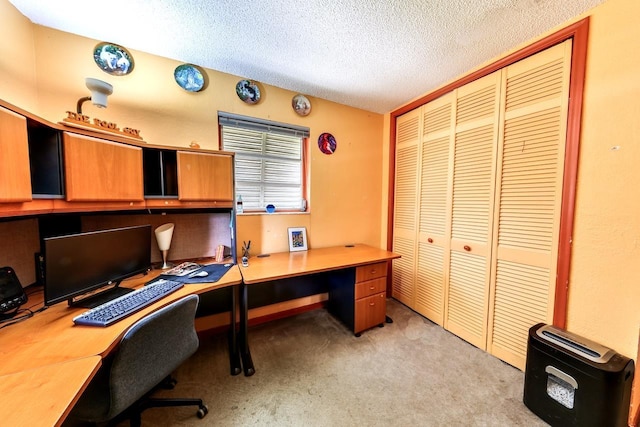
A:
x,y
100,298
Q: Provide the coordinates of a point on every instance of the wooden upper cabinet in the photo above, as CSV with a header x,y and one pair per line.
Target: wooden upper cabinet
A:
x,y
15,173
100,170
203,176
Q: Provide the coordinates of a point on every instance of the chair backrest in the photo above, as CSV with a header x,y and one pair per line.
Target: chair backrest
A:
x,y
150,350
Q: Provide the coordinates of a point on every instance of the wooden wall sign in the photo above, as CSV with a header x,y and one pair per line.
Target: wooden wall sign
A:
x,y
84,121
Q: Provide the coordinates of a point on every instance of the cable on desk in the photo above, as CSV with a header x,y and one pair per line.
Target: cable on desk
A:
x,y
13,320
26,314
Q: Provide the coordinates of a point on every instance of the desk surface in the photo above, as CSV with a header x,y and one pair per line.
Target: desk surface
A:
x,y
47,361
290,264
50,336
44,396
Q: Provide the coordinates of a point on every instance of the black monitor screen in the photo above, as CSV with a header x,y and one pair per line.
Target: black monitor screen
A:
x,y
79,263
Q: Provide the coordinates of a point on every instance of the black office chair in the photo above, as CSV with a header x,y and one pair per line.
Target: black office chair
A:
x,y
148,353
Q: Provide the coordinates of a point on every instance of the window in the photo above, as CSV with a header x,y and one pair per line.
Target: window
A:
x,y
269,161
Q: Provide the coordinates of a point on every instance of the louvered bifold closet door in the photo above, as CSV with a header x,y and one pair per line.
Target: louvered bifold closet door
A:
x,y
474,167
528,200
433,236
405,214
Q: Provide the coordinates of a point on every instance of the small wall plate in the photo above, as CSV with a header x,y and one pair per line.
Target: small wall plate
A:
x,y
248,91
301,105
113,59
327,143
189,77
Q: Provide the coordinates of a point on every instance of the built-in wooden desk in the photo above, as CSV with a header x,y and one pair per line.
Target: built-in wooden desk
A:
x,y
356,283
44,396
50,340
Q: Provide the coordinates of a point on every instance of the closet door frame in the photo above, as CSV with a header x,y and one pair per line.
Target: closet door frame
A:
x,y
578,32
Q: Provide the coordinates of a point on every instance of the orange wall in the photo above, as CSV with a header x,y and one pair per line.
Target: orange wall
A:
x,y
17,58
345,187
604,288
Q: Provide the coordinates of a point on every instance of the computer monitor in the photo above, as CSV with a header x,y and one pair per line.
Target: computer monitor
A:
x,y
78,264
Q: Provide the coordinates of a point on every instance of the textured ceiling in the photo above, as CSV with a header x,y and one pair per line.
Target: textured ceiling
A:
x,y
370,54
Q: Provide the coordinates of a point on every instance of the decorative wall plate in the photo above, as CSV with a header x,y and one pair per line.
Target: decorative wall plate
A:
x,y
248,91
113,59
189,77
327,143
301,105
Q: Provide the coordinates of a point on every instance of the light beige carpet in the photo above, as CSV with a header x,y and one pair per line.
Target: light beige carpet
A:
x,y
311,371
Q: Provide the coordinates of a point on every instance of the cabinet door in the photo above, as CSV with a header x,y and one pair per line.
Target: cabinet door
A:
x,y
434,202
408,130
203,176
15,175
99,170
369,312
473,179
528,201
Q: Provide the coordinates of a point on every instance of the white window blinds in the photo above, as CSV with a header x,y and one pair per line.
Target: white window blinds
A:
x,y
268,161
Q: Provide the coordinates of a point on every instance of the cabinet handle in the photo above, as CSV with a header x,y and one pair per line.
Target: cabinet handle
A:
x,y
372,287
467,248
430,240
373,272
372,304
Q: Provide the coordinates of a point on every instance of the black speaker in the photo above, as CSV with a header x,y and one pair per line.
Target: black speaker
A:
x,y
12,295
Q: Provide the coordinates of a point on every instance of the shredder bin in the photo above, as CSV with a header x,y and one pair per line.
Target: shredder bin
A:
x,y
572,381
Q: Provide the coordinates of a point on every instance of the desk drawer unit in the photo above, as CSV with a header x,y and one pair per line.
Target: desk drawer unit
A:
x,y
370,296
358,296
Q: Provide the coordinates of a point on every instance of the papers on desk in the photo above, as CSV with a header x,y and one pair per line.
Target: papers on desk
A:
x,y
184,269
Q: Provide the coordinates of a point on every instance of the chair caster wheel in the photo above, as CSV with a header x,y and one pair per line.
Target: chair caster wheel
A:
x,y
203,411
169,383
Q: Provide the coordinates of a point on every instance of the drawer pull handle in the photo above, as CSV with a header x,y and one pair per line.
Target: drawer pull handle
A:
x,y
467,248
372,287
373,272
430,240
372,304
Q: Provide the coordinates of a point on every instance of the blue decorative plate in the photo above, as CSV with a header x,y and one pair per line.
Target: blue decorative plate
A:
x,y
189,77
113,59
248,91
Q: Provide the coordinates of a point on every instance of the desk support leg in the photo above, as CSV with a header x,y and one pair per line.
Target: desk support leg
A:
x,y
247,363
234,353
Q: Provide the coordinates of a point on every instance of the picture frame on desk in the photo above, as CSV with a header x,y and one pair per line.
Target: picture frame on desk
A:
x,y
297,239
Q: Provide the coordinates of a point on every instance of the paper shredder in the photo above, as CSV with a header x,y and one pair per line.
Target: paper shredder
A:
x,y
572,381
